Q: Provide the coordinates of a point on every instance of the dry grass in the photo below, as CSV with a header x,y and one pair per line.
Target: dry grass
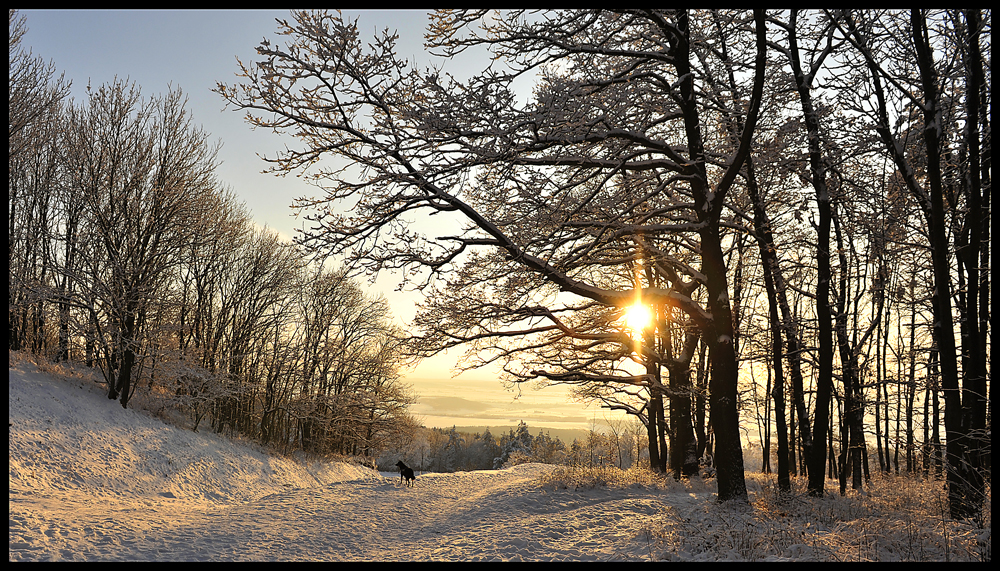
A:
x,y
606,477
896,518
62,370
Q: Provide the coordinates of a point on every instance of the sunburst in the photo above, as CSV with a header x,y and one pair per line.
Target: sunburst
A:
x,y
638,318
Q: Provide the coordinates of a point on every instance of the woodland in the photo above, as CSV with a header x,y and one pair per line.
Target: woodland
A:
x,y
798,200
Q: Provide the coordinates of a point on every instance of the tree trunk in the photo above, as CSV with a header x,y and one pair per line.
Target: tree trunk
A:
x,y
973,324
719,335
824,382
661,434
699,401
684,460
776,298
654,405
964,481
852,439
725,376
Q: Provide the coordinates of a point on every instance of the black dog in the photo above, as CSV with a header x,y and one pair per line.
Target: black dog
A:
x,y
405,472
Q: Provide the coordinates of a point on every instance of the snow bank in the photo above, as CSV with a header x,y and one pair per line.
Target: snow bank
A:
x,y
68,436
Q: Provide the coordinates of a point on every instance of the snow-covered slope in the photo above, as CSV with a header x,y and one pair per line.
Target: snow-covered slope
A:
x,y
90,481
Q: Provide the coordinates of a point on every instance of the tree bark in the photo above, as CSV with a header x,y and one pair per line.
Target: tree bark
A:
x,y
824,325
964,480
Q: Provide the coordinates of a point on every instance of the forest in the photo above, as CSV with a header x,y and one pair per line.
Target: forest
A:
x,y
799,200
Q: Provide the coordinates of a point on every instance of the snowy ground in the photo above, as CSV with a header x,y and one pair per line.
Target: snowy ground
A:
x,y
90,481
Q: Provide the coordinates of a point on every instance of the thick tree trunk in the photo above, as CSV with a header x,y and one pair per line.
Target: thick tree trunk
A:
x,y
684,459
973,319
725,376
719,335
965,483
824,322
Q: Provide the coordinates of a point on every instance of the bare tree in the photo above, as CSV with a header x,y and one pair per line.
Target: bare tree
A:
x,y
138,166
893,87
35,105
804,77
33,91
516,176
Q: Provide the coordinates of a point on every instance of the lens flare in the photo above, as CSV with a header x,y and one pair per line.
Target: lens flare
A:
x,y
638,317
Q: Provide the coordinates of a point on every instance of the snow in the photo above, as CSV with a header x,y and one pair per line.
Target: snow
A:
x,y
90,481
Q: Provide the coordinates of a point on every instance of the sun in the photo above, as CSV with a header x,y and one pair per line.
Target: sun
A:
x,y
638,317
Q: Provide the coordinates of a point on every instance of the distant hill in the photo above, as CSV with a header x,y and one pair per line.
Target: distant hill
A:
x,y
564,434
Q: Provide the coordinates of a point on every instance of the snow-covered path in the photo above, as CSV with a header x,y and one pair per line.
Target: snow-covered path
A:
x,y
89,481
467,516
501,515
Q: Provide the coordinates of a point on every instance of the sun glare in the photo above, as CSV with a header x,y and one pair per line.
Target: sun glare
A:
x,y
638,318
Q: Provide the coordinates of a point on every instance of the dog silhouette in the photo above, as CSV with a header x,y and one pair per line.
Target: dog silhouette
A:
x,y
405,472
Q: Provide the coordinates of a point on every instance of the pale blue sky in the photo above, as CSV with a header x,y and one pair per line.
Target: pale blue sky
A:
x,y
194,49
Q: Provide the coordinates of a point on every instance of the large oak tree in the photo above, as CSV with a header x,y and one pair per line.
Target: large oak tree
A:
x,y
525,191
